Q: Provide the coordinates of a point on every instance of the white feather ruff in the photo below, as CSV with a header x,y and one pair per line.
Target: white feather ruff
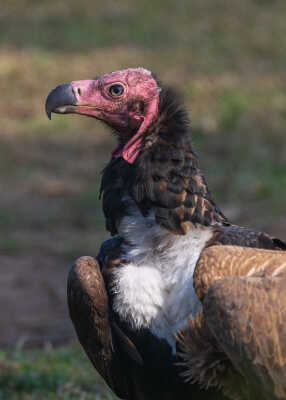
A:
x,y
155,288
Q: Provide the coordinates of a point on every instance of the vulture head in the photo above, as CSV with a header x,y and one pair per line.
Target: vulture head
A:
x,y
125,100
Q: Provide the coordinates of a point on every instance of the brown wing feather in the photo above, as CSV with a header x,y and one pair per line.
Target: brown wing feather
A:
x,y
243,291
217,262
89,311
247,318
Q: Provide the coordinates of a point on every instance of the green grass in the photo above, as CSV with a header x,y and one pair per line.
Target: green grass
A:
x,y
54,374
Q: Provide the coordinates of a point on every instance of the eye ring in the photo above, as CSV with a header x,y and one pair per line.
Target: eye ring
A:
x,y
116,90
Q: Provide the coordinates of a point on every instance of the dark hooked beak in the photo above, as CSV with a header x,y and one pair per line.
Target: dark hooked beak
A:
x,y
61,100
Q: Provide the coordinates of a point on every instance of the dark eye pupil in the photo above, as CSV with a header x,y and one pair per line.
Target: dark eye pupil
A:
x,y
116,90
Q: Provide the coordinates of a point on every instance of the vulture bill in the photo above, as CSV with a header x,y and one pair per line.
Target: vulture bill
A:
x,y
180,303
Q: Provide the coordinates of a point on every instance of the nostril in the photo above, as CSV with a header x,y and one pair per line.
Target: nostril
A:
x,y
77,90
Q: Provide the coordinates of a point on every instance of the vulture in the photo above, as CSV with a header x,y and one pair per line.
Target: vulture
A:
x,y
179,303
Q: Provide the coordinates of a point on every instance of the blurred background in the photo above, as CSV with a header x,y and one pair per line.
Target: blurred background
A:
x,y
228,60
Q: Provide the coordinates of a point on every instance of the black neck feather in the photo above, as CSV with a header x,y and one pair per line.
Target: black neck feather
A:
x,y
165,177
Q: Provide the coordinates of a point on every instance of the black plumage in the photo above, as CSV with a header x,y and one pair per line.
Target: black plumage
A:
x,y
165,177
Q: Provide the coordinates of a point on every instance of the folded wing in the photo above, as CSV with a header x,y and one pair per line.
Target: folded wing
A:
x,y
241,331
89,312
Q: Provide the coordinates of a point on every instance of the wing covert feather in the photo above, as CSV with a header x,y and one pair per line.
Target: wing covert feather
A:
x,y
217,262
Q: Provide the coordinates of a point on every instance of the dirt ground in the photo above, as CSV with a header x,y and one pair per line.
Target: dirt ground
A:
x,y
47,220
33,300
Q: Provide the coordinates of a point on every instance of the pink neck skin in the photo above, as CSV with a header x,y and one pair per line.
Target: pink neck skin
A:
x,y
132,148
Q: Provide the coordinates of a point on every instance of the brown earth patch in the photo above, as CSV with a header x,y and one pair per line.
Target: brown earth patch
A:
x,y
33,300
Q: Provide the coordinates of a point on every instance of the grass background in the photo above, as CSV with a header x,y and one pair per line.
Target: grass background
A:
x,y
227,58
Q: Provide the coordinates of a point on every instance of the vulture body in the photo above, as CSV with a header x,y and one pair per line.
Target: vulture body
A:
x,y
174,305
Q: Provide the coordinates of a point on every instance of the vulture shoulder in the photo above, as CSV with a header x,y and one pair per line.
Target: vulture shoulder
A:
x,y
98,334
245,237
238,341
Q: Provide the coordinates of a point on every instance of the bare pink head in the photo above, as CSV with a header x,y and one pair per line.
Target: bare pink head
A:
x,y
126,100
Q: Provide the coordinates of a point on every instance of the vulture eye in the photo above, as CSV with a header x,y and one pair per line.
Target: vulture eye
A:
x,y
116,90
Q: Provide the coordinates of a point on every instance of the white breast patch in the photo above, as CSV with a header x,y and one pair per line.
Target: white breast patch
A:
x,y
155,288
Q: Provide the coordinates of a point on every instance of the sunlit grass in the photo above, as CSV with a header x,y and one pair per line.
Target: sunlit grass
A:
x,y
63,373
